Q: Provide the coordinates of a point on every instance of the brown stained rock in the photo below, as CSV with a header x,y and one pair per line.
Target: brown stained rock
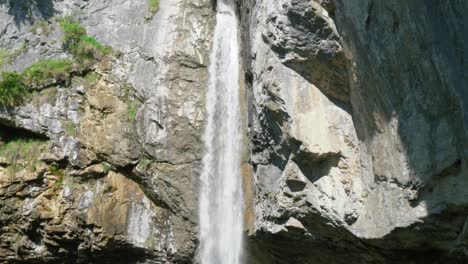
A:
x,y
104,127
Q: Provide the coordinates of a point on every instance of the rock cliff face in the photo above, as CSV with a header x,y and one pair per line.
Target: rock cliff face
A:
x,y
357,116
117,147
358,130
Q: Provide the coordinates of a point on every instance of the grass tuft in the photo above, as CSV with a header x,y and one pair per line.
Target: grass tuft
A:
x,y
47,71
58,173
85,49
70,128
22,148
26,150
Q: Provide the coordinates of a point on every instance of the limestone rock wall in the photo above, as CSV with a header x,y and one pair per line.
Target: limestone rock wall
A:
x,y
358,130
120,149
356,117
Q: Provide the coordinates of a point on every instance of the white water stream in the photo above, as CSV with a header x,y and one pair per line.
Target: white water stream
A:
x,y
221,199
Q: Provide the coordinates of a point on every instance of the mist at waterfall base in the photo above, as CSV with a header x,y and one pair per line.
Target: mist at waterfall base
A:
x,y
221,199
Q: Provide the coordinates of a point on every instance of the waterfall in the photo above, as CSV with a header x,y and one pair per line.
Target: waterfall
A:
x,y
221,198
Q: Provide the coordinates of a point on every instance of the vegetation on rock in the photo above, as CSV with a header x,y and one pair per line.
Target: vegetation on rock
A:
x,y
22,154
47,71
133,103
58,173
144,162
40,27
132,109
7,56
12,89
70,128
73,32
46,96
153,6
42,73
85,49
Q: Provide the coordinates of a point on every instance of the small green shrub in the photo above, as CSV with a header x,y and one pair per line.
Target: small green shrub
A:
x,y
88,50
47,71
72,30
85,49
12,89
153,6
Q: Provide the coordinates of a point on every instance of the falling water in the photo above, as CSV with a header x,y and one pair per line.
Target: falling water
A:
x,y
221,202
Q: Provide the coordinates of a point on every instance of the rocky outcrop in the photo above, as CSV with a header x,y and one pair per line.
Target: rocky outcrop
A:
x,y
358,130
116,181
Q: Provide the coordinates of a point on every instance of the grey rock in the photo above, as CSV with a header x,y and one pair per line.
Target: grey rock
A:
x,y
361,161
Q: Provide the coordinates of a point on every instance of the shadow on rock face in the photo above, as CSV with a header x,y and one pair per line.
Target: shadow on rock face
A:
x,y
305,39
29,10
405,86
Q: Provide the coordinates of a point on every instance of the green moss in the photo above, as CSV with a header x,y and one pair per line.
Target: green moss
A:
x,y
47,71
144,163
92,42
153,6
12,170
132,109
70,128
87,81
106,167
127,91
12,89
